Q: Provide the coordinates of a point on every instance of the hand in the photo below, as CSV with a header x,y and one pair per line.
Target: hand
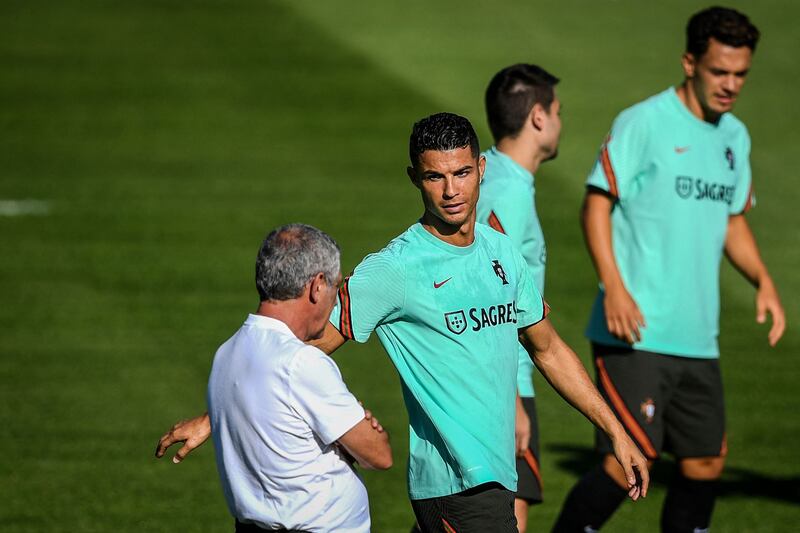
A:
x,y
522,429
373,421
634,464
623,317
768,301
192,433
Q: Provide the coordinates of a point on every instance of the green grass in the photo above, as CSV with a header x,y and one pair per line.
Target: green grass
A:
x,y
168,138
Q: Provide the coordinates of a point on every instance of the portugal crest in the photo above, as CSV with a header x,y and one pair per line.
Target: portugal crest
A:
x,y
648,410
456,321
729,157
683,186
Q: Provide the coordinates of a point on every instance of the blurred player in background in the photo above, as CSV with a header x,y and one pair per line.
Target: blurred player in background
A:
x,y
523,113
449,300
666,198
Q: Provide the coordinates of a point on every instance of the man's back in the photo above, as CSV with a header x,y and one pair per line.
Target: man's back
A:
x,y
276,406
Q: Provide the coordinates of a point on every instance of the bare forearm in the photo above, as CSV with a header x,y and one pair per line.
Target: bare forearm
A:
x,y
596,224
565,372
742,251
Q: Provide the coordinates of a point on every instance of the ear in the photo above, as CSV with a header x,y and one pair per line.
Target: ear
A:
x,y
536,117
689,64
481,166
316,288
412,175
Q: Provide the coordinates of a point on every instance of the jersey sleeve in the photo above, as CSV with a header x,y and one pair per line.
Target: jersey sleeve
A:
x,y
511,216
744,198
320,397
623,155
373,294
531,307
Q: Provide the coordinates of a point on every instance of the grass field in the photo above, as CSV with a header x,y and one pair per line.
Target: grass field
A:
x,y
167,138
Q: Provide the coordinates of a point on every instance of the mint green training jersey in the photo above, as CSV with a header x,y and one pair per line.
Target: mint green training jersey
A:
x,y
508,204
676,180
448,318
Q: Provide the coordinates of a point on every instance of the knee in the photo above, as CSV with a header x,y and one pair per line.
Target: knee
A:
x,y
702,468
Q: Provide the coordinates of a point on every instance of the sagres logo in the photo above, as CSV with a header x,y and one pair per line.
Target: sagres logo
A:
x,y
683,186
456,321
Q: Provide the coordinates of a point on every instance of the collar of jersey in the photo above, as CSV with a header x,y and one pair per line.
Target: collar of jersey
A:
x,y
516,169
427,236
688,115
265,322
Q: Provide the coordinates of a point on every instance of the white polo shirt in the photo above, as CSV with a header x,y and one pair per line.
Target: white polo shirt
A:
x,y
276,407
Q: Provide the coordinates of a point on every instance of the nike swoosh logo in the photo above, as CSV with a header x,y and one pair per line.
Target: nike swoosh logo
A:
x,y
681,149
437,285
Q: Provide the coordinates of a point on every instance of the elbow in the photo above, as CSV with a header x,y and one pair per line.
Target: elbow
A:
x,y
384,461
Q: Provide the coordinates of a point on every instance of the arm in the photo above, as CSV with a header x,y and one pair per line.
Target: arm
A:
x,y
565,372
623,317
522,428
742,251
368,443
195,431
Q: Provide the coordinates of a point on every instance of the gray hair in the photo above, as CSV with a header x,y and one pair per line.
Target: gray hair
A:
x,y
290,257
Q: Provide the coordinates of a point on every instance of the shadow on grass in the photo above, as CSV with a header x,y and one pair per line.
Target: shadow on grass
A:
x,y
736,481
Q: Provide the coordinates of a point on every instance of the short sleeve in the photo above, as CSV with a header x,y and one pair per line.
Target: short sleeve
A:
x,y
531,307
373,294
743,198
320,397
623,155
512,214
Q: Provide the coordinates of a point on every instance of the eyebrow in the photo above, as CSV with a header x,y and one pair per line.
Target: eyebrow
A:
x,y
715,70
434,173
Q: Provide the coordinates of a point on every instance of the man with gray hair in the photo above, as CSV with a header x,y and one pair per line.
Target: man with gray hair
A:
x,y
285,426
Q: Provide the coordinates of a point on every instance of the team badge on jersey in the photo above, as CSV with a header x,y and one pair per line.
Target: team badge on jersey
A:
x,y
648,409
729,157
683,186
498,270
456,321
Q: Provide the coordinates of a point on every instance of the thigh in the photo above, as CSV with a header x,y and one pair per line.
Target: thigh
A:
x,y
636,386
488,507
529,479
695,419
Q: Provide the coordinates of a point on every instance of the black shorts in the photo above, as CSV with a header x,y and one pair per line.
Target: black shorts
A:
x,y
487,507
529,486
666,403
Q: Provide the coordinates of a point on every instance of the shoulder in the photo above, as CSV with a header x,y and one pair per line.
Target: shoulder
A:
x,y
308,362
735,129
390,260
641,114
493,239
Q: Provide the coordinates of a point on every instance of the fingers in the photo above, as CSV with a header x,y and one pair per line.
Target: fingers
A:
x,y
165,442
778,325
644,478
182,453
761,311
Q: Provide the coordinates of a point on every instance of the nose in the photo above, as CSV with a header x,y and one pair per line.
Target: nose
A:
x,y
730,83
449,187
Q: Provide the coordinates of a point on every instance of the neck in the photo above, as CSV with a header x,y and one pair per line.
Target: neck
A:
x,y
462,235
289,312
688,96
523,150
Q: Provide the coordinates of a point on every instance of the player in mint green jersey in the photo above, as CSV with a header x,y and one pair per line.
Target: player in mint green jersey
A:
x,y
449,300
667,196
523,113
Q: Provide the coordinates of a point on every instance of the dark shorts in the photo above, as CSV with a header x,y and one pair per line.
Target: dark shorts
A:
x,y
241,527
529,486
487,507
666,403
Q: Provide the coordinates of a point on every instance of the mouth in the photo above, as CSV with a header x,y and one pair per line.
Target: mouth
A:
x,y
453,209
725,99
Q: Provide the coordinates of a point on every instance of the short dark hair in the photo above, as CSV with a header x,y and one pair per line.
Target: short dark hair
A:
x,y
442,132
723,24
290,257
511,95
